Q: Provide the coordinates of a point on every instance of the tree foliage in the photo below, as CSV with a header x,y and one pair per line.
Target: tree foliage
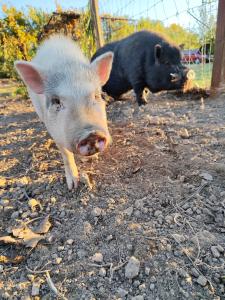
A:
x,y
19,31
18,36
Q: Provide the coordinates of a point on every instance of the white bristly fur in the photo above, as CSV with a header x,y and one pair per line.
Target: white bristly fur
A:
x,y
67,74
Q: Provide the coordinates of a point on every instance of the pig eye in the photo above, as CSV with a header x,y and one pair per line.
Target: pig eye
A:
x,y
57,103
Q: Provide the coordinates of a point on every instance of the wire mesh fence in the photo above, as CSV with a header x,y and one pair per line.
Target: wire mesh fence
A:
x,y
191,24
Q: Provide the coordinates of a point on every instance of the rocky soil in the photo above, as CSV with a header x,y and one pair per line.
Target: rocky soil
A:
x,y
149,224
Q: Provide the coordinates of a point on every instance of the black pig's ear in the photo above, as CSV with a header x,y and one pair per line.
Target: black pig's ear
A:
x,y
158,52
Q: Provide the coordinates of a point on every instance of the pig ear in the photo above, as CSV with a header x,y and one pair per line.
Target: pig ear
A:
x,y
158,52
103,65
30,76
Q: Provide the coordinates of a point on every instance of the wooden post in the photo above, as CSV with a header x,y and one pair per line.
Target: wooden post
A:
x,y
218,71
97,23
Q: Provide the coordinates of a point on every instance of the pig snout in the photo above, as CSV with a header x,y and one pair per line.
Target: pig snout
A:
x,y
188,74
95,142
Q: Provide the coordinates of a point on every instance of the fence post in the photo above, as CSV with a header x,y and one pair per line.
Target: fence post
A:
x,y
218,71
97,23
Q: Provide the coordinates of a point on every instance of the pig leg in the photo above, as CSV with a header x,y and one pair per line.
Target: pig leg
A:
x,y
72,177
140,94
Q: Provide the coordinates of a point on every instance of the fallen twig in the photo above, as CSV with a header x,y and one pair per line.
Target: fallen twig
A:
x,y
37,272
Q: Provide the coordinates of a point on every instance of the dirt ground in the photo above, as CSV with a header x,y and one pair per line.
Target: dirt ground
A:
x,y
151,228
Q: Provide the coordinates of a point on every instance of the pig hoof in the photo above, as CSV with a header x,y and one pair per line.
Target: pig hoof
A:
x,y
72,182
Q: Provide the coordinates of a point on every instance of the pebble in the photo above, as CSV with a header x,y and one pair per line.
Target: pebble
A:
x,y
58,260
139,203
142,287
184,133
129,247
202,280
152,286
139,297
69,241
157,213
215,251
109,238
136,283
128,211
132,268
97,257
102,272
194,272
62,214
206,176
1,268
121,292
153,279
147,270
220,248
96,212
81,253
15,215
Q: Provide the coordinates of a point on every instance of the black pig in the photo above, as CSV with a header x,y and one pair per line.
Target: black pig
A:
x,y
144,59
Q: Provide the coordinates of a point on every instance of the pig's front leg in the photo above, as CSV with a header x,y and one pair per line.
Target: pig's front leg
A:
x,y
140,94
72,177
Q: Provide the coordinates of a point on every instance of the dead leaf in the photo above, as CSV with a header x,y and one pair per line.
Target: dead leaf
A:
x,y
44,226
8,260
30,238
43,166
33,203
9,240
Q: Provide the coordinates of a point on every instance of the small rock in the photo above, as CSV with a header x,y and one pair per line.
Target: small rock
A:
x,y
109,238
58,260
81,253
140,297
36,287
136,283
147,271
87,228
96,212
128,211
153,279
194,272
184,133
97,257
132,268
121,292
139,203
1,268
69,241
202,280
102,272
63,214
220,248
206,176
130,247
152,286
157,213
60,248
219,167
142,287
15,215
180,238
215,251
